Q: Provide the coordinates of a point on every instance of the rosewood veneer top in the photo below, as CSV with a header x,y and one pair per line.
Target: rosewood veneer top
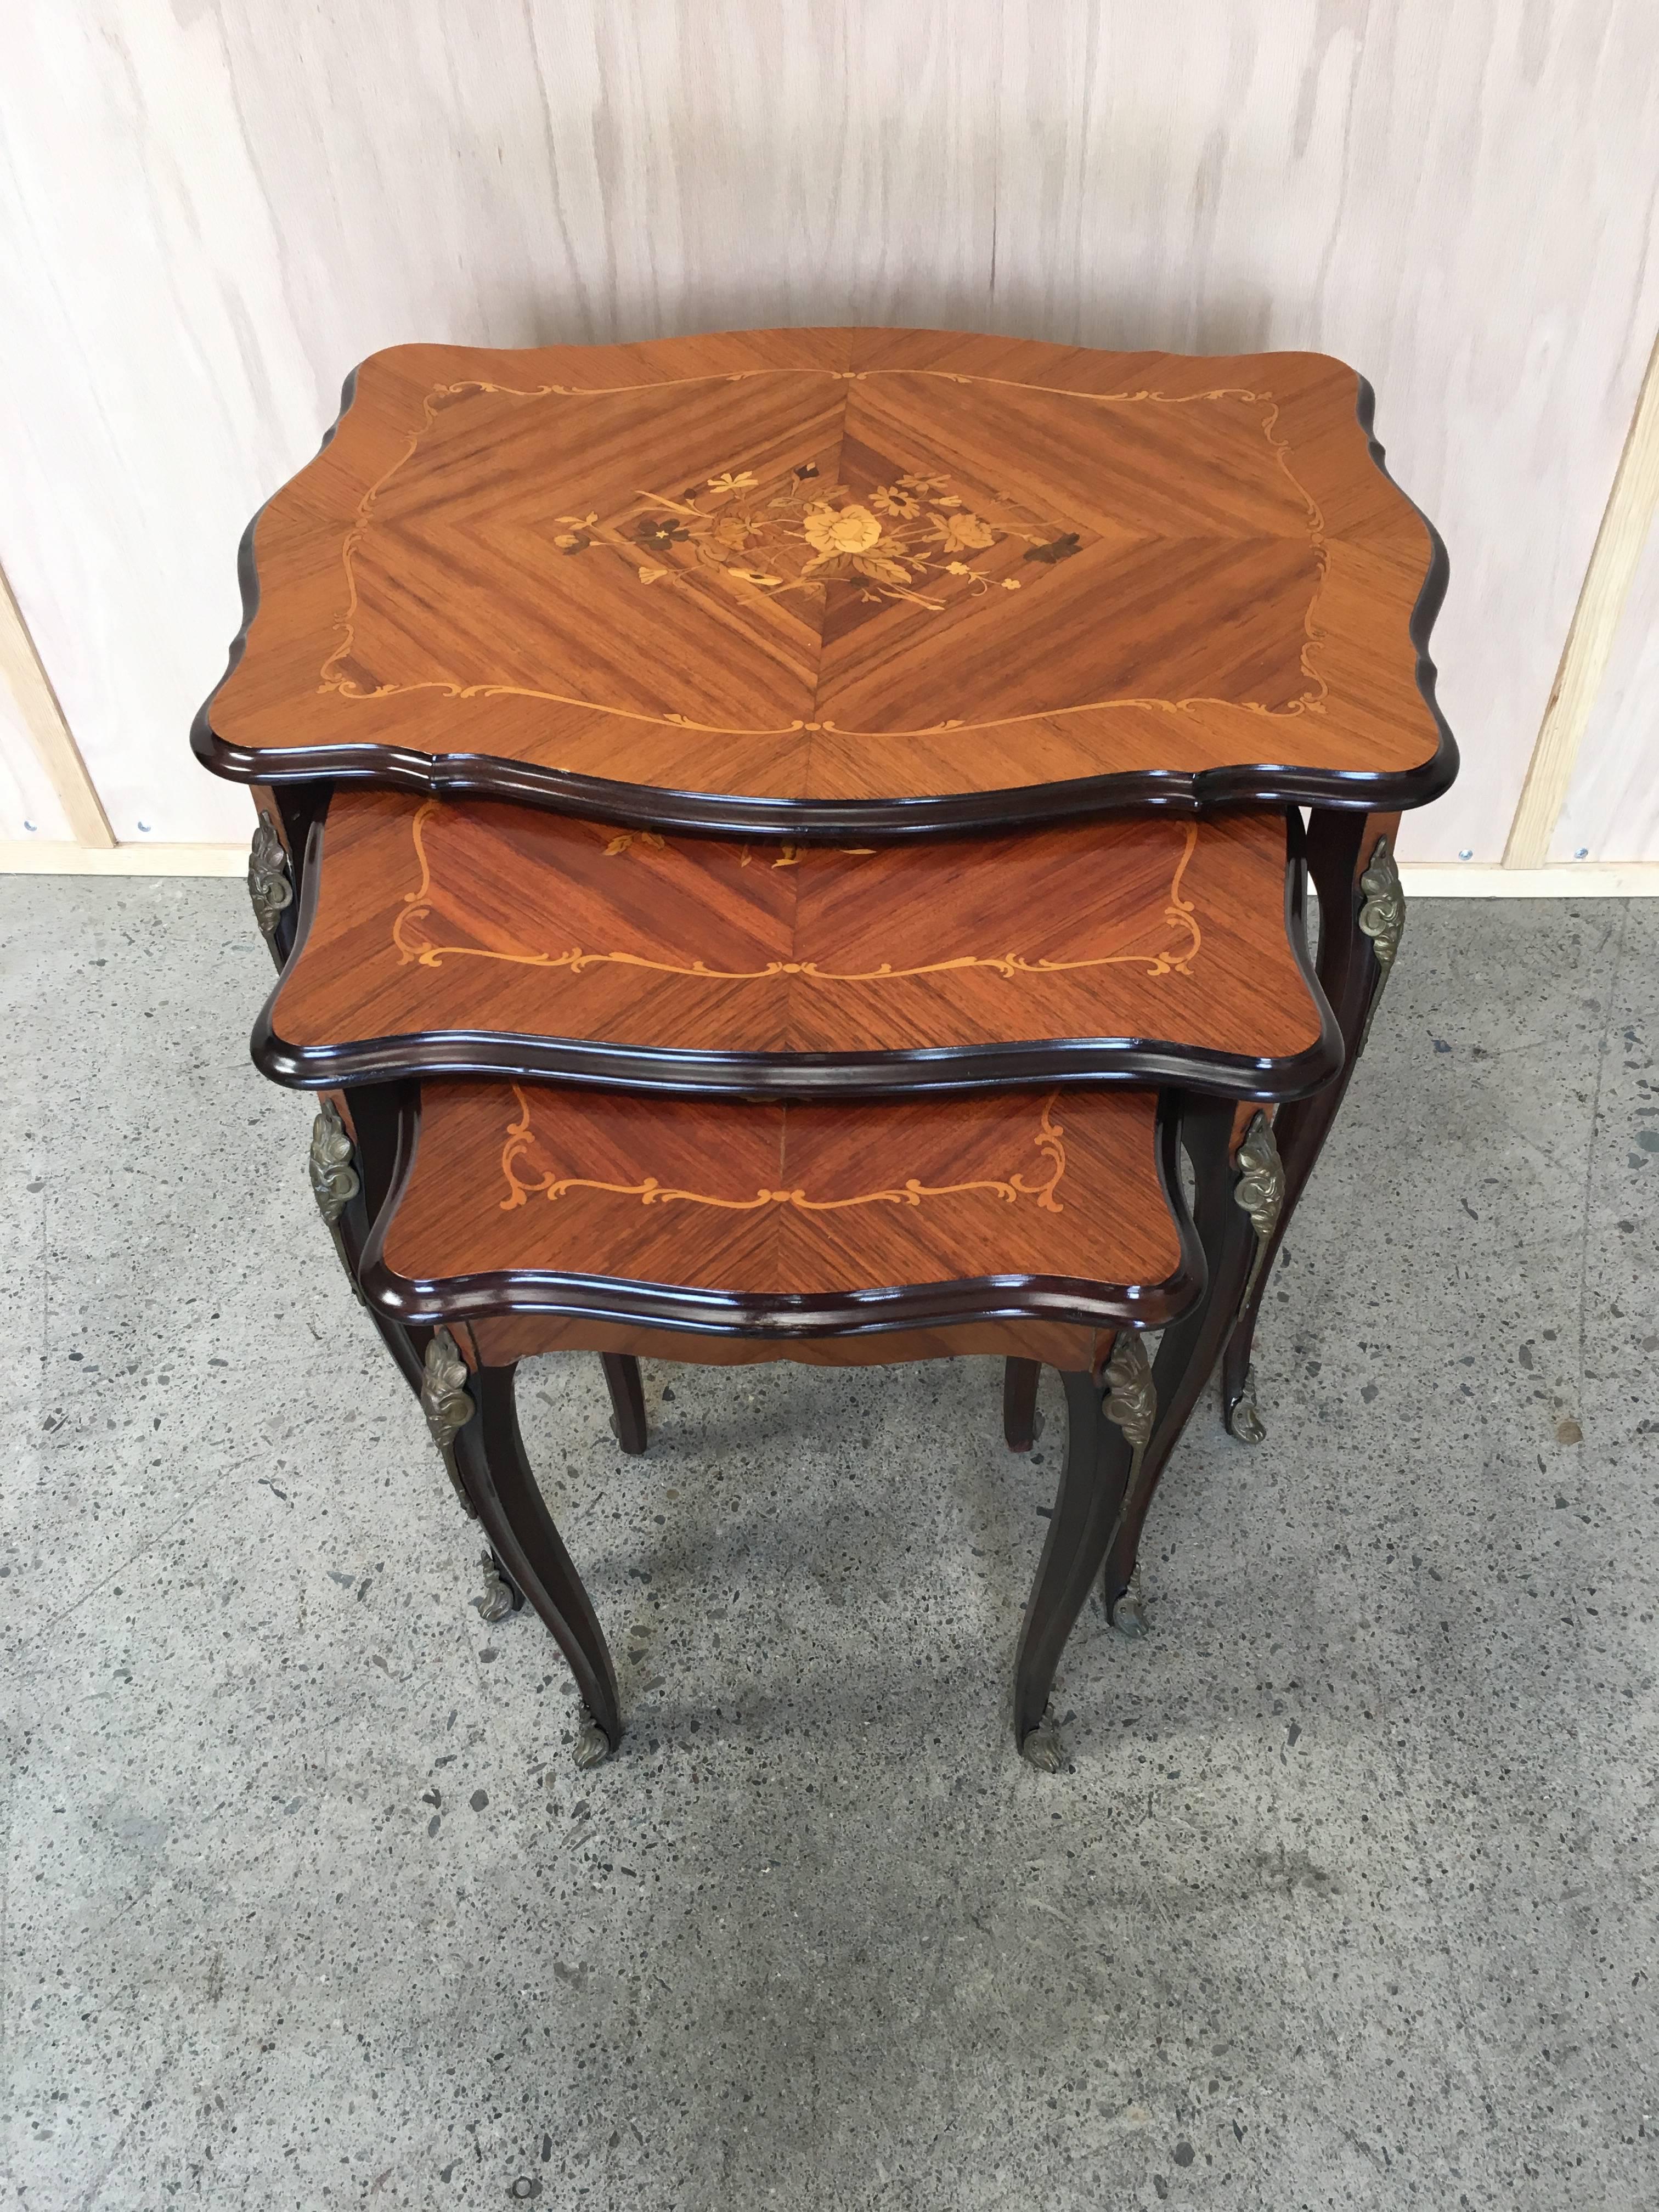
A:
x,y
449,937
784,1220
815,582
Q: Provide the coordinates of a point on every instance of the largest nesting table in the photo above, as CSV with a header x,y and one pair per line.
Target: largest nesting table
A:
x,y
777,842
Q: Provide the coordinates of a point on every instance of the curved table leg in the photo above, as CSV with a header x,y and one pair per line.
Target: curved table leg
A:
x,y
1098,1454
1190,1347
472,1415
622,1379
351,1177
1361,914
351,1173
1019,1396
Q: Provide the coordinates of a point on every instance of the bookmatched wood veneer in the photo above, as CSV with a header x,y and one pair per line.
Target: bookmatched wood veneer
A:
x,y
815,582
785,1221
476,938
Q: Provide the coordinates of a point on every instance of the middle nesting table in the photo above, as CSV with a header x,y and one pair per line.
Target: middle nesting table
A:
x,y
474,937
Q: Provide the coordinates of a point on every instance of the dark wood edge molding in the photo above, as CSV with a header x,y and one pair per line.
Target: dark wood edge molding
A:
x,y
1426,609
788,1315
959,814
1144,1063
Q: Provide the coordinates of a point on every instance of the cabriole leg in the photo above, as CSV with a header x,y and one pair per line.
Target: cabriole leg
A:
x,y
1190,1347
448,1407
1108,1423
622,1379
350,1171
1020,1378
375,1118
1361,913
345,1203
472,1415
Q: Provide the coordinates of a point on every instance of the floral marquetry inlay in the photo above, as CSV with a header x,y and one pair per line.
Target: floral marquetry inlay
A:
x,y
525,1148
916,538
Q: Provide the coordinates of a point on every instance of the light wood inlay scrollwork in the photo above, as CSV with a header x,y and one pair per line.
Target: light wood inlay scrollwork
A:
x,y
1177,958
1048,1140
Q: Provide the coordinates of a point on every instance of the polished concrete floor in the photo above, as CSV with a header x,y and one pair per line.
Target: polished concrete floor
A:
x,y
1348,1898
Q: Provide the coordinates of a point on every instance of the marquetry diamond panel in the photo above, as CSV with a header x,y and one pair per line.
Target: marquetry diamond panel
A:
x,y
718,552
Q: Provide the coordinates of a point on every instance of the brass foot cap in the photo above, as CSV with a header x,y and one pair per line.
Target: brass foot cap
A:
x,y
496,1601
1042,1747
593,1745
1243,1421
1128,1615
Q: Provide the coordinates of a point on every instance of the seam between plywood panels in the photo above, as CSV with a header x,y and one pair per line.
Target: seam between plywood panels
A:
x,y
48,734
1631,506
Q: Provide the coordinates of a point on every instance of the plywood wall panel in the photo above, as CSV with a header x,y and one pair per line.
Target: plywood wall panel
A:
x,y
207,213
1612,802
1460,200
29,808
44,791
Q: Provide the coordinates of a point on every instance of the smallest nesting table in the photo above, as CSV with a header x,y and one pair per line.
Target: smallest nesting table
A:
x,y
1035,1227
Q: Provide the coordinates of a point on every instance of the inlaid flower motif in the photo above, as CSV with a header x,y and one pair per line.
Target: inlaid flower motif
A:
x,y
847,529
660,531
578,537
965,533
912,540
882,570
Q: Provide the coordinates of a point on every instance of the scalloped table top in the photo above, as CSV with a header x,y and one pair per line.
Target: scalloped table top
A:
x,y
463,937
809,581
712,1216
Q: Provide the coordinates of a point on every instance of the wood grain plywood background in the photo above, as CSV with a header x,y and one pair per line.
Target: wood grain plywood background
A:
x,y
1612,801
208,213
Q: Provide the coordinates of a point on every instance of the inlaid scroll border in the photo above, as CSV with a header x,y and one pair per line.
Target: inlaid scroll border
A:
x,y
1050,1141
1180,913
